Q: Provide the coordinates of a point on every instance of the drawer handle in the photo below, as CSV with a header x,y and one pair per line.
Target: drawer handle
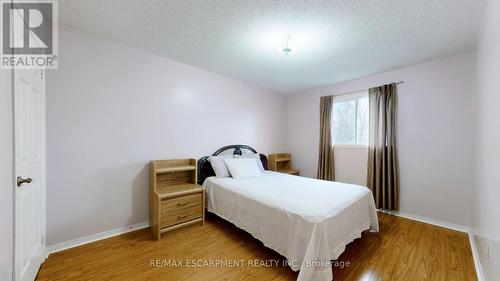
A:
x,y
182,204
181,217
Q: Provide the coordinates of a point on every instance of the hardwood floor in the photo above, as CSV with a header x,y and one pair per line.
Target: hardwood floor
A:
x,y
403,250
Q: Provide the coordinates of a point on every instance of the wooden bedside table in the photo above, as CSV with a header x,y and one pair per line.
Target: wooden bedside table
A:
x,y
175,199
282,162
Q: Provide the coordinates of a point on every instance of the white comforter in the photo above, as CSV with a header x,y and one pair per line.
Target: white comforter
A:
x,y
308,221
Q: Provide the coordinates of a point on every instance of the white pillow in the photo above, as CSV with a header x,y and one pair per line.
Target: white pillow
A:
x,y
219,166
253,155
243,168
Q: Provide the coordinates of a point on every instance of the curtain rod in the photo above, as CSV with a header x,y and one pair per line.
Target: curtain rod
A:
x,y
397,83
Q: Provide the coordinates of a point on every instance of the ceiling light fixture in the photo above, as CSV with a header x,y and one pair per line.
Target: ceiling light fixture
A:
x,y
287,48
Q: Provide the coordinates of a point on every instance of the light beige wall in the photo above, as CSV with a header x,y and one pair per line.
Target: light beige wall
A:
x,y
350,164
436,141
111,109
486,215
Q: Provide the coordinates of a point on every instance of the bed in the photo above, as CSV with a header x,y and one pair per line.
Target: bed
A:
x,y
307,221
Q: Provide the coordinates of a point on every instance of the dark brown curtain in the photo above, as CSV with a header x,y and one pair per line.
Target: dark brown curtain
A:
x,y
383,172
326,169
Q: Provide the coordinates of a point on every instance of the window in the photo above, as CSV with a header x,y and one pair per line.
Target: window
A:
x,y
350,119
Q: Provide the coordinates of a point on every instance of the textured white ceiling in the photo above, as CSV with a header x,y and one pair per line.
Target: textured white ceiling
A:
x,y
338,40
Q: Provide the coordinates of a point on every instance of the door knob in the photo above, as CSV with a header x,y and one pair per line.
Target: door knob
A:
x,y
20,181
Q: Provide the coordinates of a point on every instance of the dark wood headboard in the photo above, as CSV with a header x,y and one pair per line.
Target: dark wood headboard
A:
x,y
205,170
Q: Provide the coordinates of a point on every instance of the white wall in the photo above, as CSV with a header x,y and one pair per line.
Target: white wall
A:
x,y
435,139
486,215
111,109
350,164
6,184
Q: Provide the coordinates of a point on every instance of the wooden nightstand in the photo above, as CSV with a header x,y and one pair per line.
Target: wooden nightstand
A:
x,y
175,199
282,162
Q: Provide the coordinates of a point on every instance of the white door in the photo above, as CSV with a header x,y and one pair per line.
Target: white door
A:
x,y
29,124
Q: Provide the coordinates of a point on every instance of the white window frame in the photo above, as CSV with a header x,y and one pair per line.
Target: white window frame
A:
x,y
344,98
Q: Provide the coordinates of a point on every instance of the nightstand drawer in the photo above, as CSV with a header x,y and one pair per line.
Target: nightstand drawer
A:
x,y
180,215
181,202
180,209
